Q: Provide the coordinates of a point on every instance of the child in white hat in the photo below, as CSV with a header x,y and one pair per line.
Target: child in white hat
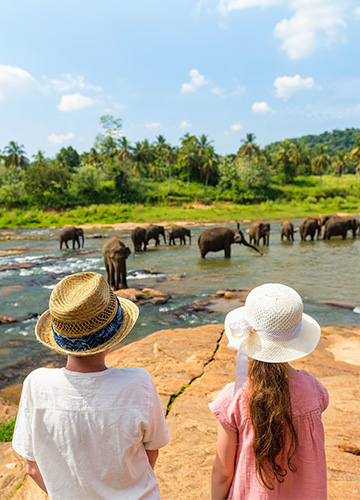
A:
x,y
270,434
89,432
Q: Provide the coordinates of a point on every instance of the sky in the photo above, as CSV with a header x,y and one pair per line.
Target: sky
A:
x,y
278,69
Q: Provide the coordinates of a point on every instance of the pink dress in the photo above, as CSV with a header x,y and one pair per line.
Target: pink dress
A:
x,y
309,398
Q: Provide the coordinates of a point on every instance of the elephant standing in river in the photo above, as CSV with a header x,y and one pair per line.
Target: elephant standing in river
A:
x,y
71,233
287,230
179,232
138,237
309,227
153,232
339,226
221,238
115,254
259,231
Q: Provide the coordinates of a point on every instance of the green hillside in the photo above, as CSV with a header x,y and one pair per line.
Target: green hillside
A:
x,y
335,141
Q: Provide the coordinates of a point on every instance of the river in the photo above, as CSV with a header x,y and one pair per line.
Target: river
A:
x,y
320,271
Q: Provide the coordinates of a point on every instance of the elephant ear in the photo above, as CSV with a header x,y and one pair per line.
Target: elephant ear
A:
x,y
127,252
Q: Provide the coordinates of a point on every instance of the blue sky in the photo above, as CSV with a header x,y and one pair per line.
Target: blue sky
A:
x,y
276,68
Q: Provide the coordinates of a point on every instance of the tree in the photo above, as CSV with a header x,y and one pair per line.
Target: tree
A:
x,y
256,176
15,156
68,157
188,154
44,178
249,147
339,162
285,159
321,161
209,162
169,156
355,154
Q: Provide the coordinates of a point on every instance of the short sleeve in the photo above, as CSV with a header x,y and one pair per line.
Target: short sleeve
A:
x,y
156,434
224,407
22,439
324,396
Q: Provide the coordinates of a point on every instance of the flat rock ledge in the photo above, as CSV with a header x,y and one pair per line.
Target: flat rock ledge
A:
x,y
189,367
144,295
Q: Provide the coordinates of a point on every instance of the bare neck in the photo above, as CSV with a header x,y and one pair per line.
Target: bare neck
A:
x,y
87,364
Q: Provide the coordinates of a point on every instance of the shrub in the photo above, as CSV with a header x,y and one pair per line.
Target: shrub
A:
x,y
7,430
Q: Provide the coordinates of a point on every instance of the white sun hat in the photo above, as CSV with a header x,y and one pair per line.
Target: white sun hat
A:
x,y
270,327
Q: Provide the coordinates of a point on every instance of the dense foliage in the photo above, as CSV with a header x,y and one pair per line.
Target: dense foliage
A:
x,y
116,171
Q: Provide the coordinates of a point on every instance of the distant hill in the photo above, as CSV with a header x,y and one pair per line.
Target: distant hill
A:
x,y
335,141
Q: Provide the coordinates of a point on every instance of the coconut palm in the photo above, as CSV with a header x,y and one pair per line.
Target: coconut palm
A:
x,y
209,162
355,154
188,154
15,156
321,161
285,157
169,154
249,147
124,151
339,162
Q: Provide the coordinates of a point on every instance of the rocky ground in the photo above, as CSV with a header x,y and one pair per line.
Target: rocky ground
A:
x,y
189,367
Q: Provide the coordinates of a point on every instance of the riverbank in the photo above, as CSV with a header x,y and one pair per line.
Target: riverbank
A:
x,y
189,367
194,212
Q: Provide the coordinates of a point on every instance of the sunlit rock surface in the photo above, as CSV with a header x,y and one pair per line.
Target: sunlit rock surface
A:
x,y
189,367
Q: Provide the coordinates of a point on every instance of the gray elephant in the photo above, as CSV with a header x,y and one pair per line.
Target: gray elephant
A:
x,y
287,230
310,227
115,254
221,238
153,233
71,233
179,232
339,226
259,231
138,237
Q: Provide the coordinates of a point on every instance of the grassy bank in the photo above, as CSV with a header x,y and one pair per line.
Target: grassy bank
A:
x,y
304,197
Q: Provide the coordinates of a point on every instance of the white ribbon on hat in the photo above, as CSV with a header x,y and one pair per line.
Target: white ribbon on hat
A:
x,y
241,330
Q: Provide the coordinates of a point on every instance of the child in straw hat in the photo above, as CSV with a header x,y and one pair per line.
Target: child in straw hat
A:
x,y
89,432
270,434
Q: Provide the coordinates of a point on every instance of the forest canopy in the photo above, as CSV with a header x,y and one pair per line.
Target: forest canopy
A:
x,y
115,170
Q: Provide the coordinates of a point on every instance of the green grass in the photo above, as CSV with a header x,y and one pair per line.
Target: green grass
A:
x,y
7,430
302,198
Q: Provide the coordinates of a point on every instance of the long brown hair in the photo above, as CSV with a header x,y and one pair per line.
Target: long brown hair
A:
x,y
270,413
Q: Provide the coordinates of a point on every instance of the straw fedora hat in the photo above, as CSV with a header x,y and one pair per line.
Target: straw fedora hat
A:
x,y
85,316
272,326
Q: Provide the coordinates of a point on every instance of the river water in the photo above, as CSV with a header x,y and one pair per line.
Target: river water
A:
x,y
320,271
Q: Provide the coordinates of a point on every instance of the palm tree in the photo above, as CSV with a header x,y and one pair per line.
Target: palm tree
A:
x,y
15,156
169,157
209,162
284,156
249,147
124,152
339,162
321,161
188,153
355,154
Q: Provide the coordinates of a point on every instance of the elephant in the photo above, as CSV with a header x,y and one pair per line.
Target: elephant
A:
x,y
287,230
309,227
179,232
115,254
259,231
153,232
221,238
138,237
339,226
71,233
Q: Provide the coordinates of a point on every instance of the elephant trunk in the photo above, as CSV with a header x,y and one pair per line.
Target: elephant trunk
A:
x,y
189,238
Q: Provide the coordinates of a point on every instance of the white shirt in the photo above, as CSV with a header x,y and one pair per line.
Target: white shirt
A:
x,y
88,432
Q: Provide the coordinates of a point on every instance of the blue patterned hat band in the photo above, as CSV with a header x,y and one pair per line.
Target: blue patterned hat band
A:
x,y
95,339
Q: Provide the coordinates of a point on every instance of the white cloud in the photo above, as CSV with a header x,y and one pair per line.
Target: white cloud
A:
x,y
74,102
261,108
60,138
14,82
314,23
228,5
288,85
152,125
196,81
218,91
357,12
235,127
71,82
185,124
